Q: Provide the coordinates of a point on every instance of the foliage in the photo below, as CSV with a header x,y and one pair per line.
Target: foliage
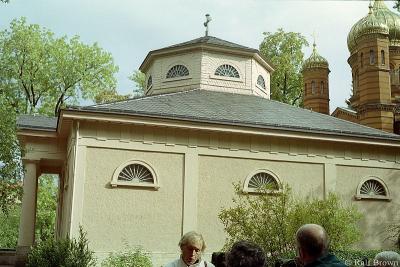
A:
x,y
9,225
133,257
10,165
42,73
271,221
64,252
284,50
109,96
139,78
46,208
393,234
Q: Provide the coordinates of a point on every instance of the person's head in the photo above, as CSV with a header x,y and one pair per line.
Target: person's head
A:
x,y
387,258
312,242
218,259
192,245
245,254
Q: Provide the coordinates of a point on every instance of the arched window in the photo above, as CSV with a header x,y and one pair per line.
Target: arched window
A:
x,y
261,82
313,90
177,71
227,71
135,173
305,88
262,181
372,188
361,60
322,88
149,82
371,57
383,57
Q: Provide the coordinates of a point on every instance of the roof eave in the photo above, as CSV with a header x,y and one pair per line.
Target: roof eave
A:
x,y
204,46
180,122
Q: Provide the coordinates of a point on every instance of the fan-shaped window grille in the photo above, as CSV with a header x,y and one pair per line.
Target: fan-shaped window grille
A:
x,y
227,71
372,188
260,181
261,82
134,173
177,71
149,82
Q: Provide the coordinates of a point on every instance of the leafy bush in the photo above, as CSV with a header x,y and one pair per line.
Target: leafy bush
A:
x,y
133,257
271,221
63,253
9,225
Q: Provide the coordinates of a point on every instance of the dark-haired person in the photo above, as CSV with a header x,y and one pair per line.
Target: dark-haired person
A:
x,y
245,254
313,247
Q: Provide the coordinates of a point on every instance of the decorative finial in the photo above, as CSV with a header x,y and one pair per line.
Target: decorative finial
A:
x,y
314,35
370,8
208,19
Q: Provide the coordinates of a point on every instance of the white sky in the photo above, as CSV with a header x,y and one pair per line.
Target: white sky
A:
x,y
129,29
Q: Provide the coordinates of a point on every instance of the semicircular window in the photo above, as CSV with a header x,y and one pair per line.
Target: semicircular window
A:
x,y
227,71
372,188
136,173
177,71
263,180
149,82
261,82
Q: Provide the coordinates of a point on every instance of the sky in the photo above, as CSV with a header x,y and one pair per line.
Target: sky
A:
x,y
129,29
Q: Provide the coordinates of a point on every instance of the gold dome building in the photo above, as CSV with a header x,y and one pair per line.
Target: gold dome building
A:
x,y
374,45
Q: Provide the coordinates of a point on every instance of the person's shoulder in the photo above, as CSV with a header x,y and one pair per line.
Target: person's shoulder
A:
x,y
208,264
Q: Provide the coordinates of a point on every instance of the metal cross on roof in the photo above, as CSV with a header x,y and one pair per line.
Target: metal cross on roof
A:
x,y
208,19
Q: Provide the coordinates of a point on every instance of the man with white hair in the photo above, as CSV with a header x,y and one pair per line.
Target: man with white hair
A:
x,y
387,259
192,246
313,247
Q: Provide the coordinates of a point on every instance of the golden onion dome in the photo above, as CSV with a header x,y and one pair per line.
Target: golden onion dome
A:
x,y
315,60
380,20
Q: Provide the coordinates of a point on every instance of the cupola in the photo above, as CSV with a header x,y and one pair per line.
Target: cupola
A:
x,y
207,63
380,20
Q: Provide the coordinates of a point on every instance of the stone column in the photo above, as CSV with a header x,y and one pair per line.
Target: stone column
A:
x,y
26,235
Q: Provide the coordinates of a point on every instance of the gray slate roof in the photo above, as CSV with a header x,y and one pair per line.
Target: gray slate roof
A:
x,y
213,41
235,109
37,122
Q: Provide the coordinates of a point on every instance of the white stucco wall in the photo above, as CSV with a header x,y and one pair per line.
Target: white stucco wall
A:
x,y
196,170
202,65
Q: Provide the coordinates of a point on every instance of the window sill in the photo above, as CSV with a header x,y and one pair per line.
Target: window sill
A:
x,y
366,197
130,184
166,80
223,78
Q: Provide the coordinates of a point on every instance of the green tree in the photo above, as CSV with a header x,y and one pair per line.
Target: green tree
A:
x,y
271,221
46,207
284,50
42,73
9,225
139,78
10,164
110,96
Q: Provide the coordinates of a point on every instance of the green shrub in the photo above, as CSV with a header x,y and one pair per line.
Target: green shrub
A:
x,y
63,253
9,225
132,257
271,221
